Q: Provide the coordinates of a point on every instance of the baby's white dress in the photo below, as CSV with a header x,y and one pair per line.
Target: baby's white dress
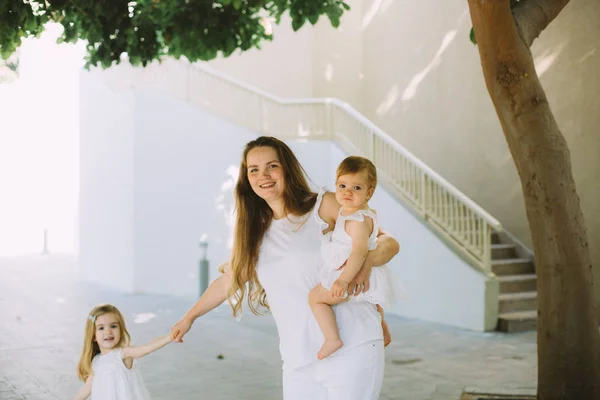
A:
x,y
114,381
336,248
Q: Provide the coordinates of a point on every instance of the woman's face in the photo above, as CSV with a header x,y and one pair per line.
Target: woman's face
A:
x,y
265,174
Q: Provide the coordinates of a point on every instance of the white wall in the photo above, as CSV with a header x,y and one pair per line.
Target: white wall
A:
x,y
338,56
289,54
184,161
106,185
422,84
157,175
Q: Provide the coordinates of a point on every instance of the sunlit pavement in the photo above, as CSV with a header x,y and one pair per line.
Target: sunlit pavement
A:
x,y
43,309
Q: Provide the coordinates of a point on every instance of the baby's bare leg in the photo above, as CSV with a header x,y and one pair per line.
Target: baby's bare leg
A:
x,y
321,300
387,336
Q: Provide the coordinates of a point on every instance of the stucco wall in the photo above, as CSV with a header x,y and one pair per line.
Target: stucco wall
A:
x,y
424,86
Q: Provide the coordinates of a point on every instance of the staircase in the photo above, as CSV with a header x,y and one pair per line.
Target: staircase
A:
x,y
461,223
513,265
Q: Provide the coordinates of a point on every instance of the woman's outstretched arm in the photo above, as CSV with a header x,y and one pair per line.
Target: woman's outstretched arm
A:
x,y
214,296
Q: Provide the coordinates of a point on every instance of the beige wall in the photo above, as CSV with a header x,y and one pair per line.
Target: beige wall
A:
x,y
283,67
410,67
423,85
338,57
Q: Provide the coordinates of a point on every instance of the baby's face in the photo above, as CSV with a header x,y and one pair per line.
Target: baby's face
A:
x,y
108,332
353,191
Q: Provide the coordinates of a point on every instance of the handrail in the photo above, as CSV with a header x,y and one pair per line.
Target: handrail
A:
x,y
460,220
494,223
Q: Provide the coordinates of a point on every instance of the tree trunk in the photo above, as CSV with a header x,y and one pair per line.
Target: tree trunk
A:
x,y
567,328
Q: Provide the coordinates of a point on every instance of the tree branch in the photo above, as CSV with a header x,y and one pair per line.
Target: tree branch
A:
x,y
533,16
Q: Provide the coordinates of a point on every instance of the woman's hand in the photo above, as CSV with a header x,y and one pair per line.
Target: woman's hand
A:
x,y
179,330
360,283
214,296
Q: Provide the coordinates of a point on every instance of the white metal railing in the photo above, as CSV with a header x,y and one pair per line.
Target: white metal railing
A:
x,y
463,223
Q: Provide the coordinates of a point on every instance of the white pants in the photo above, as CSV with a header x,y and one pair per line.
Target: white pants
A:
x,y
348,374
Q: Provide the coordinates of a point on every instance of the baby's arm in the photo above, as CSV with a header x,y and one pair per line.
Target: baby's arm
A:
x,y
132,352
359,231
85,391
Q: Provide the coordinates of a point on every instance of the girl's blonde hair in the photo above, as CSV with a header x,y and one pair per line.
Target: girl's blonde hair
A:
x,y
90,346
254,216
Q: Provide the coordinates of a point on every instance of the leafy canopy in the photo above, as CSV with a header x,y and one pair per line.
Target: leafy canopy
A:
x,y
148,30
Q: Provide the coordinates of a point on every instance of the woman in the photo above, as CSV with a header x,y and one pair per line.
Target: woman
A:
x,y
277,253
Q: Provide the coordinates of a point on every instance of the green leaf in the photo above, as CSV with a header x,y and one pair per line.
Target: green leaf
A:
x,y
335,20
472,37
297,23
152,29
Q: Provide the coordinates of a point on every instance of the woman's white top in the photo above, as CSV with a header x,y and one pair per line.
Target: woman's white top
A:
x,y
114,381
289,266
336,248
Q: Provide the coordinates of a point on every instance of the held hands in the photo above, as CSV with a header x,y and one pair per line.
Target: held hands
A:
x,y
339,288
180,329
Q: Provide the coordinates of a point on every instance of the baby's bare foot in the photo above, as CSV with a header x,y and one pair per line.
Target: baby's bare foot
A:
x,y
329,347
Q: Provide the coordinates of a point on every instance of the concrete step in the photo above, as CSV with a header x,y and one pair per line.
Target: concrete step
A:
x,y
512,266
503,250
518,283
520,321
495,238
511,302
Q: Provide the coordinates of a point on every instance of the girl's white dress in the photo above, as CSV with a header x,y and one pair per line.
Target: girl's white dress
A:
x,y
336,248
114,381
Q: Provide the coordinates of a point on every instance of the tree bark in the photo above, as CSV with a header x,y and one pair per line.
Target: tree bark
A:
x,y
567,327
533,16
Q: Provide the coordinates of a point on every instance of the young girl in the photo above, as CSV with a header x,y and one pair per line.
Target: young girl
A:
x,y
344,250
106,363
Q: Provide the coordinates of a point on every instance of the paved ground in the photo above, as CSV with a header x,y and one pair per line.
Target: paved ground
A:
x,y
43,310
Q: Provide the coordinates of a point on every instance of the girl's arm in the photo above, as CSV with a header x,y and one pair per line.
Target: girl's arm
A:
x,y
359,232
132,352
213,297
85,391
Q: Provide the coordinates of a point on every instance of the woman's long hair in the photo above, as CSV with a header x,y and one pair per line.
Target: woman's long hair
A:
x,y
90,346
253,218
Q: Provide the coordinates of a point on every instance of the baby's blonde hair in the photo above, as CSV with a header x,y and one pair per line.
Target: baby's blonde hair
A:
x,y
90,346
355,165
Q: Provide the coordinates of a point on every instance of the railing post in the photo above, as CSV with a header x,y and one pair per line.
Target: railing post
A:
x,y
424,197
45,248
330,122
188,82
487,247
372,146
261,111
